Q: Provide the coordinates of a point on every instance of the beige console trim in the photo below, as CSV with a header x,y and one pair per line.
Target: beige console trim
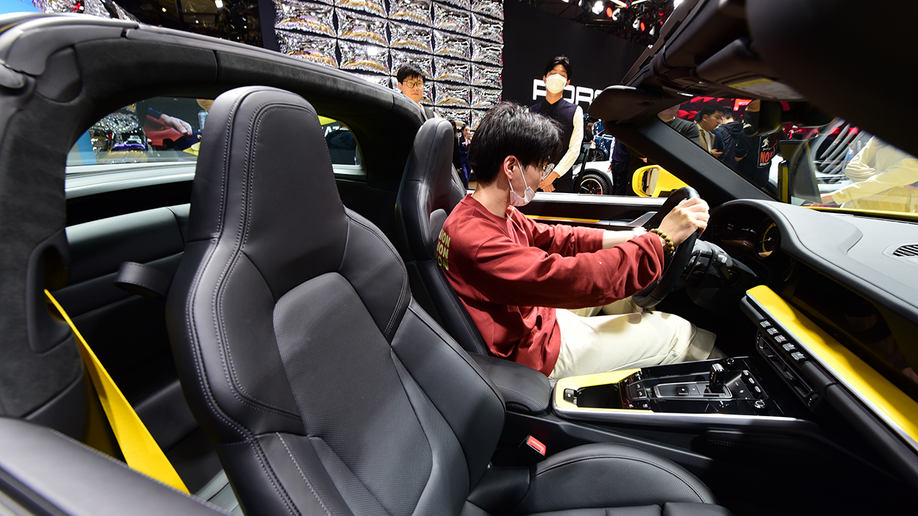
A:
x,y
589,380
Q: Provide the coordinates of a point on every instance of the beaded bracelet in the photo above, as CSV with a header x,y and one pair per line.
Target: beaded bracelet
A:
x,y
669,247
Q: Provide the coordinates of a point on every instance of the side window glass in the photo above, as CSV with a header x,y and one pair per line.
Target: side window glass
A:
x,y
156,130
165,133
342,146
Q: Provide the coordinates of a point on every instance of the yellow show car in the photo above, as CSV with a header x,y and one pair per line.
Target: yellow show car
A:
x,y
270,305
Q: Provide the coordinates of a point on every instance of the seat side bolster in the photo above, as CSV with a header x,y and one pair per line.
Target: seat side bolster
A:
x,y
441,368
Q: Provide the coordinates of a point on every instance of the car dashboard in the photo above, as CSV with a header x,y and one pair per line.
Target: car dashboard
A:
x,y
832,296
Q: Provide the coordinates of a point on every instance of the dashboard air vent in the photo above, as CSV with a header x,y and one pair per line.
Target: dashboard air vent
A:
x,y
906,250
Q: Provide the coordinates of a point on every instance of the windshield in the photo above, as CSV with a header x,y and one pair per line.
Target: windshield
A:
x,y
834,165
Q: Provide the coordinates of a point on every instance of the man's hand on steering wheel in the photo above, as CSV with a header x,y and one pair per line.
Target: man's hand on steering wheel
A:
x,y
685,219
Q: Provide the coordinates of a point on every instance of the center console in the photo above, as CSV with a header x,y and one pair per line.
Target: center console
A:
x,y
726,386
728,392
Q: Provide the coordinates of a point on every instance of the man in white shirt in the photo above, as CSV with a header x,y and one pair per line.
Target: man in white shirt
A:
x,y
569,117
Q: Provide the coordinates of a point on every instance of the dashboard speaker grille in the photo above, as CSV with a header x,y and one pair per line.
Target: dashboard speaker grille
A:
x,y
906,250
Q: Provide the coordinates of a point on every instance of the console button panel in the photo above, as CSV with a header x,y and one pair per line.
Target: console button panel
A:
x,y
685,388
786,356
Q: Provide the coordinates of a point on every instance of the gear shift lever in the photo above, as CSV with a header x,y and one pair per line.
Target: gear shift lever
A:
x,y
716,378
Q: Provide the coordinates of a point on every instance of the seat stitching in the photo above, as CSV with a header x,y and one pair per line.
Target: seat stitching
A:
x,y
401,293
244,226
266,466
195,347
351,472
209,397
302,474
621,457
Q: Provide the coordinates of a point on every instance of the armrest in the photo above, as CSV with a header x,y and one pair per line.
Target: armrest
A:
x,y
524,389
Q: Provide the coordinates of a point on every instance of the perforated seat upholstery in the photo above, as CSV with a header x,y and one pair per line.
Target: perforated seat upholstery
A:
x,y
326,389
429,191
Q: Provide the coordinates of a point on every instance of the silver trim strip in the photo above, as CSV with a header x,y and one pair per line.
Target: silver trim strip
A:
x,y
855,392
681,420
640,221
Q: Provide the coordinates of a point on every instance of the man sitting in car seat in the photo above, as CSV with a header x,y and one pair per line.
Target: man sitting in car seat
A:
x,y
517,277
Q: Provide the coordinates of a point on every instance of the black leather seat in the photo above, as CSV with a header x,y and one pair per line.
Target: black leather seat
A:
x,y
326,389
429,191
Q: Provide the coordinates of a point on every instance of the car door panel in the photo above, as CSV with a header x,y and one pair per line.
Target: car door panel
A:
x,y
127,331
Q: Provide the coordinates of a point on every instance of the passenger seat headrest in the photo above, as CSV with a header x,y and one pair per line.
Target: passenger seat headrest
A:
x,y
263,176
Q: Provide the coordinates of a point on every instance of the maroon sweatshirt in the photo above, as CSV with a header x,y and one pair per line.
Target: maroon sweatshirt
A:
x,y
512,272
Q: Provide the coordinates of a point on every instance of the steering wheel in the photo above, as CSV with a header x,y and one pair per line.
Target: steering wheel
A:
x,y
673,264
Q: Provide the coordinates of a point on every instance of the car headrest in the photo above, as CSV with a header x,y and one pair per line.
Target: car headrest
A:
x,y
263,176
431,187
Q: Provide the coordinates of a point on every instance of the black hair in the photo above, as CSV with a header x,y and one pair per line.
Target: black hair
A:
x,y
709,109
563,61
509,129
408,71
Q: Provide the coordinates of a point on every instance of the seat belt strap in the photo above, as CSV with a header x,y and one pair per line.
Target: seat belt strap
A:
x,y
139,448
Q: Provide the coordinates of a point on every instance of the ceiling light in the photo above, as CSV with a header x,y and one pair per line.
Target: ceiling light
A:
x,y
218,4
597,7
620,3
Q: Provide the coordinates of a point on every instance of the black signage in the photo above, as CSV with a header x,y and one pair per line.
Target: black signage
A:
x,y
532,37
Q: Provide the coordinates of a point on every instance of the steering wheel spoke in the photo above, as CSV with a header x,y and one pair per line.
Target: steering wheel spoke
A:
x,y
674,264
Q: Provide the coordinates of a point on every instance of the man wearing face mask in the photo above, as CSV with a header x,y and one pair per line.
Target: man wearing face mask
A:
x,y
515,275
569,118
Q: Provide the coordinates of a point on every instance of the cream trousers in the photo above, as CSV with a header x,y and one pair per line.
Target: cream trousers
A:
x,y
625,337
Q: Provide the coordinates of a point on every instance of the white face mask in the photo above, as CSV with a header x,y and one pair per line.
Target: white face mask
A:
x,y
555,83
528,194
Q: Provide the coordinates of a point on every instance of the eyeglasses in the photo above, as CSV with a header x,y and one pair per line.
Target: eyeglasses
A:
x,y
414,84
546,169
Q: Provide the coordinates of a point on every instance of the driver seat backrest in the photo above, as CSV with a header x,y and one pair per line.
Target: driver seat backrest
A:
x,y
429,191
325,388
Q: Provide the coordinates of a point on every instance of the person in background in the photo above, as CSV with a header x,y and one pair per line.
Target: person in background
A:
x,y
465,139
754,153
731,131
457,162
885,179
620,163
686,128
624,160
411,83
516,276
708,118
557,76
